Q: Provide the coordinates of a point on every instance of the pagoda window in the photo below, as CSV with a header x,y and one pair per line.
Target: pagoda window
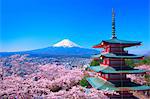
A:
x,y
117,76
117,50
106,76
113,63
106,61
117,62
106,49
109,49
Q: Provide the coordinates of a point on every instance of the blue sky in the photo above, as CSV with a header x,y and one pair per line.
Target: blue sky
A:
x,y
33,24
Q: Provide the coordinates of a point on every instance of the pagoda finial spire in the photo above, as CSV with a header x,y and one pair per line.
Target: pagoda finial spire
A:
x,y
113,24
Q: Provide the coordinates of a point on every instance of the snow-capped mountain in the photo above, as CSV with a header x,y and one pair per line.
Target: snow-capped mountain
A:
x,y
62,48
66,43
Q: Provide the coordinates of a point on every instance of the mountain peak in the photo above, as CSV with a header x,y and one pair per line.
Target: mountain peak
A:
x,y
66,43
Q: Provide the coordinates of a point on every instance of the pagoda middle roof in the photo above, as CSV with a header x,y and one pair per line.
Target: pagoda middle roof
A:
x,y
110,70
102,84
118,55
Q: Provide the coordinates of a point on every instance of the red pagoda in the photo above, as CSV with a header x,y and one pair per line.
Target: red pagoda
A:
x,y
113,70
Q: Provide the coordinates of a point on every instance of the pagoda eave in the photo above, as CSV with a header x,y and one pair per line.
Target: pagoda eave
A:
x,y
102,84
118,56
121,73
110,70
101,45
121,42
104,43
97,46
124,57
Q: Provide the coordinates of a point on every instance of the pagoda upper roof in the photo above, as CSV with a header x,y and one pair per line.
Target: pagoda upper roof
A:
x,y
102,84
124,43
118,55
111,70
118,41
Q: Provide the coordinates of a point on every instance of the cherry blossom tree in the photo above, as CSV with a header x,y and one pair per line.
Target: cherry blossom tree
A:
x,y
140,78
50,81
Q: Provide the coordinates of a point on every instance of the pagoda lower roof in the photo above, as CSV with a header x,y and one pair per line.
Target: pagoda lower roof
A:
x,y
111,70
118,55
102,84
117,41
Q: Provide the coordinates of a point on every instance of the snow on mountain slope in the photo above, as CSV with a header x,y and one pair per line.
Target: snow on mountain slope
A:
x,y
66,43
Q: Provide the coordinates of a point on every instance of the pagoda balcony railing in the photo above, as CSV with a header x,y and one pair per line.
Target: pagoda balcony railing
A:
x,y
125,52
113,65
